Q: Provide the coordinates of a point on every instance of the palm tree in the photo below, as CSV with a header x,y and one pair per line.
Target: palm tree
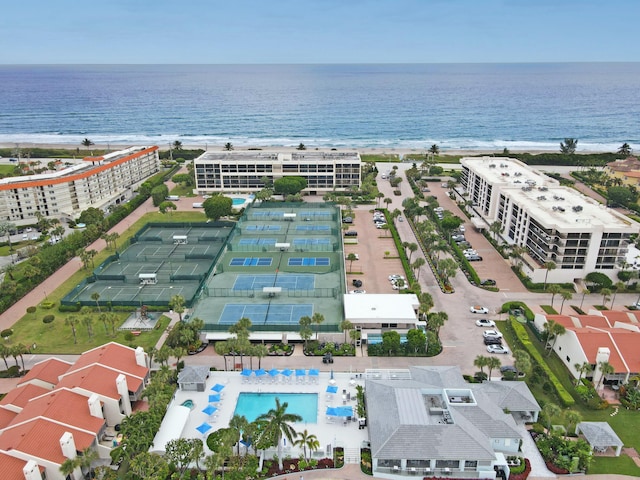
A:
x,y
177,304
301,147
436,320
95,296
582,369
317,318
550,410
413,247
569,146
228,146
616,288
85,461
238,424
606,294
350,258
605,369
177,145
625,149
68,467
305,329
307,440
554,290
493,363
278,425
495,228
481,362
345,326
419,262
566,295
87,143
72,321
548,266
522,361
434,149
572,418
553,330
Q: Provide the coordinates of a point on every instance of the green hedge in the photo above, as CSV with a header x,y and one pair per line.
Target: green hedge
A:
x,y
523,337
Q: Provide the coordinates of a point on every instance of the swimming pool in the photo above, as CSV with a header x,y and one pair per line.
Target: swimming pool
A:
x,y
252,405
188,403
237,201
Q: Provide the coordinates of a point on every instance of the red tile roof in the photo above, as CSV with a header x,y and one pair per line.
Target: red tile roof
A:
x,y
63,406
98,379
21,395
595,321
627,343
616,316
113,355
591,340
6,416
47,371
564,320
11,467
40,438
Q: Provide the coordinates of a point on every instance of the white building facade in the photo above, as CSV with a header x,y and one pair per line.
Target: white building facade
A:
x,y
97,182
554,223
246,171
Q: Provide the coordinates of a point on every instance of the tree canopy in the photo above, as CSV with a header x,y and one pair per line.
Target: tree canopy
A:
x,y
91,216
217,206
289,185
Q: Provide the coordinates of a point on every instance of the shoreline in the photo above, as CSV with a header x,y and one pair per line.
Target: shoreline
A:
x,y
392,150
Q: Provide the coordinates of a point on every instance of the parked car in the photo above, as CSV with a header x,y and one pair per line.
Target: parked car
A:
x,y
478,309
380,226
350,233
491,334
395,277
356,283
400,219
488,282
347,220
458,238
469,251
497,349
508,368
483,322
461,229
492,341
473,258
358,291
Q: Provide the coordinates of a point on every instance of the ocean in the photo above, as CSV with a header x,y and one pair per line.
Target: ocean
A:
x,y
456,106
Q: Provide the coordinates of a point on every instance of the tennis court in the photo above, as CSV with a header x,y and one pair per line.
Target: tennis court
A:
x,y
251,262
307,242
283,280
263,228
257,241
313,228
265,314
309,262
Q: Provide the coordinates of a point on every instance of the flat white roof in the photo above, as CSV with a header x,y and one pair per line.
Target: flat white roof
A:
x,y
171,428
380,307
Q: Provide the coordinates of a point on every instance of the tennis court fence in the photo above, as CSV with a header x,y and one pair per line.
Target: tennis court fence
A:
x,y
258,293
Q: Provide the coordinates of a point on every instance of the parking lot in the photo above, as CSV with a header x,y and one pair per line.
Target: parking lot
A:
x,y
373,267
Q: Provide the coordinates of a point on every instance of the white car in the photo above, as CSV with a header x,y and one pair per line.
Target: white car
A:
x,y
497,349
461,228
483,322
478,309
395,286
491,334
395,277
470,251
380,226
358,291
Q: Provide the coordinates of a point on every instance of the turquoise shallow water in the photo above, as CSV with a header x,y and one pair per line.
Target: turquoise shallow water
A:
x,y
238,201
252,405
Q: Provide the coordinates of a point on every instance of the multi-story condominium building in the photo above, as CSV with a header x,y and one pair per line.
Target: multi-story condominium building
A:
x,y
554,223
246,171
97,182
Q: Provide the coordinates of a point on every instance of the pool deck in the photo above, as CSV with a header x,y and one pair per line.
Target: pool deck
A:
x,y
330,431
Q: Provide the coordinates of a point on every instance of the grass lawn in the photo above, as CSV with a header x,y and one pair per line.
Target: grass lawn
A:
x,y
6,170
622,465
182,190
58,338
380,157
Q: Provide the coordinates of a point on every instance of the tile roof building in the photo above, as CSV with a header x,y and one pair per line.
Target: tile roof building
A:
x,y
554,223
46,420
428,420
97,182
601,336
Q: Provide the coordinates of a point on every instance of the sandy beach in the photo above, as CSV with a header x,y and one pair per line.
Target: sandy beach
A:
x,y
393,150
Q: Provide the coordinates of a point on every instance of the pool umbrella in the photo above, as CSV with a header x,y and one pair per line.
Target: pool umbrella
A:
x,y
209,410
204,428
286,372
214,398
217,387
300,372
273,372
331,374
260,372
332,389
245,372
332,411
314,372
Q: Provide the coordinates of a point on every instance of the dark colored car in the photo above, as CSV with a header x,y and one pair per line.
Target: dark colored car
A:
x,y
351,233
356,282
488,283
492,341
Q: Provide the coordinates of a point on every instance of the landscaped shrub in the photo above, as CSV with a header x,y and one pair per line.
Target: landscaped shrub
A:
x,y
48,305
47,319
524,474
521,333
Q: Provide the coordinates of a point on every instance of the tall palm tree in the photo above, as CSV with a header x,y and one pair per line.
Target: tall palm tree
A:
x,y
606,294
566,295
573,418
481,362
605,369
553,330
345,326
583,369
493,363
436,321
625,149
548,266
351,258
569,146
87,143
177,145
550,410
228,146
307,440
317,318
278,425
554,290
238,424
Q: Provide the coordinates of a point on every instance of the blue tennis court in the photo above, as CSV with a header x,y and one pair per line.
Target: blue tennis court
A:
x,y
264,313
251,262
268,213
283,280
325,215
309,262
311,241
262,228
313,228
257,241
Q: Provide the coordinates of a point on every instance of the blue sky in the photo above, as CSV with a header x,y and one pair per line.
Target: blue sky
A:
x,y
318,31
